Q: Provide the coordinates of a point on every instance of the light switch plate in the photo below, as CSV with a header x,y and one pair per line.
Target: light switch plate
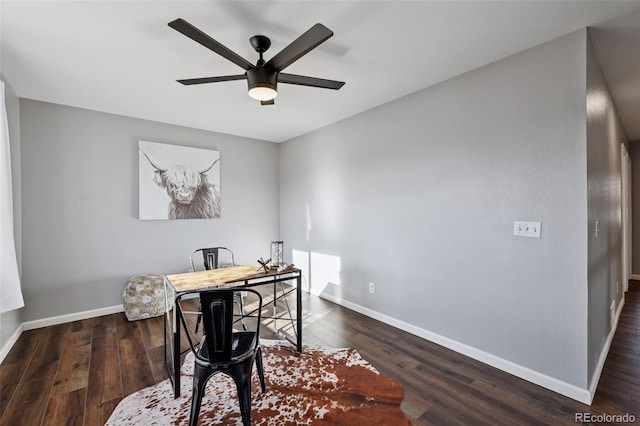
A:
x,y
526,229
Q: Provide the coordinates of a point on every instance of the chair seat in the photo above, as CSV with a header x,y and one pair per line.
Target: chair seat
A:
x,y
242,346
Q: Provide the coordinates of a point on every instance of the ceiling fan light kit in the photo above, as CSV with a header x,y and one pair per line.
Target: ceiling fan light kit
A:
x,y
263,77
263,85
262,93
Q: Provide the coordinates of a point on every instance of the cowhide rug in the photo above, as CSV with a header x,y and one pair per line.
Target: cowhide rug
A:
x,y
319,386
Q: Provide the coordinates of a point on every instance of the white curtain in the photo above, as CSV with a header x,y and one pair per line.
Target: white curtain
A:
x,y
10,292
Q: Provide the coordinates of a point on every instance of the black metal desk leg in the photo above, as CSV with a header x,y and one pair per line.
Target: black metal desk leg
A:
x,y
177,312
299,310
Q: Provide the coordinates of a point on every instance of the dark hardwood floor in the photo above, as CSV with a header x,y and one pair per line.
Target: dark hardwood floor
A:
x,y
76,373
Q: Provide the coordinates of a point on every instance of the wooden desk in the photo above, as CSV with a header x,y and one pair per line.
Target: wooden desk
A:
x,y
178,285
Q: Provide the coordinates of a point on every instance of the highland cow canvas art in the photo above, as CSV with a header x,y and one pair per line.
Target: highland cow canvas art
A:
x,y
178,182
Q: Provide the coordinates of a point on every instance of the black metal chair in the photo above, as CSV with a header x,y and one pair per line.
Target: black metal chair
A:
x,y
223,350
214,258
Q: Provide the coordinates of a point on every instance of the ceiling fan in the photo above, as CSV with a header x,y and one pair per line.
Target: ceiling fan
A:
x,y
263,77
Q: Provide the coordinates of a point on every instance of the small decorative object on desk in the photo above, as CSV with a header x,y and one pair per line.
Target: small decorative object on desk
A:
x,y
284,267
263,264
276,254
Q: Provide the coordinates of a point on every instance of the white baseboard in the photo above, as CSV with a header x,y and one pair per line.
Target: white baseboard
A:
x,y
12,341
564,388
61,319
604,353
635,277
583,395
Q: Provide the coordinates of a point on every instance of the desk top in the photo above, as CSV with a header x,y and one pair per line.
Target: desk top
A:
x,y
217,277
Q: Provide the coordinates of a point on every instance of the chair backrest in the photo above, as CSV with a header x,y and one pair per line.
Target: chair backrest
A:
x,y
211,258
218,319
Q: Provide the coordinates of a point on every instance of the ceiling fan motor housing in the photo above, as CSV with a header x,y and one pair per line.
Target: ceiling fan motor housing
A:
x,y
261,77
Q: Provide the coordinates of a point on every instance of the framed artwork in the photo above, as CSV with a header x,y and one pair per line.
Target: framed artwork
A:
x,y
178,182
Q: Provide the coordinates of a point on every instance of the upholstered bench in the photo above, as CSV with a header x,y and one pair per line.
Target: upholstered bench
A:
x,y
143,297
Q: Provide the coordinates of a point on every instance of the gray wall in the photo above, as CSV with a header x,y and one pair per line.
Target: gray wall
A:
x,y
80,206
605,136
634,152
10,321
419,197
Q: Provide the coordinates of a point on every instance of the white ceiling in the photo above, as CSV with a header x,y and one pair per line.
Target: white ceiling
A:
x,y
121,57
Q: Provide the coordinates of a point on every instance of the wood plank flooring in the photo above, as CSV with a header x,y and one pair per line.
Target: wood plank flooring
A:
x,y
76,373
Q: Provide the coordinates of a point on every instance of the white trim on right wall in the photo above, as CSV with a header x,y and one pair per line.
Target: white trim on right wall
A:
x,y
567,389
604,353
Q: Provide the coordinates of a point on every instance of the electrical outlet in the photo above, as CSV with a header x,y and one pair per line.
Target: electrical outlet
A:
x,y
372,288
526,229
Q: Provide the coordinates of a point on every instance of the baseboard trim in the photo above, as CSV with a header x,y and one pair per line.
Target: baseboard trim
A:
x,y
582,395
605,351
541,379
635,277
12,341
61,319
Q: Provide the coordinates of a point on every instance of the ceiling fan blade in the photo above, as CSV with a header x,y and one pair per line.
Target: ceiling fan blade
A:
x,y
309,81
198,36
269,102
190,81
299,47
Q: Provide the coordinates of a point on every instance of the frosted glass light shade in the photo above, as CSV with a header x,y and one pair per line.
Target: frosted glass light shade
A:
x,y
261,93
